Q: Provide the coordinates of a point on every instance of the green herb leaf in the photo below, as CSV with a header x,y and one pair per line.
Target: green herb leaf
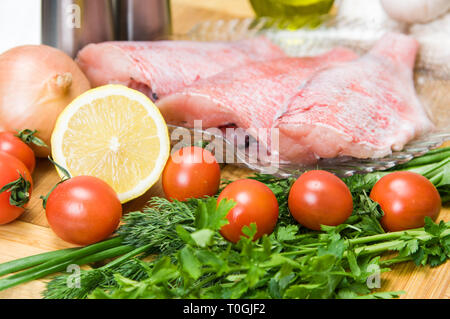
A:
x,y
203,237
249,231
190,263
184,235
286,233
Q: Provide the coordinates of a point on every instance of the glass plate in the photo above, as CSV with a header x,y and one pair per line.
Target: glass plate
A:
x,y
432,82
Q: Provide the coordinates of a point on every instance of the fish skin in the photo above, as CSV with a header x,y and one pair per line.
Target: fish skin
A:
x,y
248,97
159,68
363,108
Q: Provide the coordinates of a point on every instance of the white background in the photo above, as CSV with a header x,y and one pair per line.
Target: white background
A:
x,y
20,23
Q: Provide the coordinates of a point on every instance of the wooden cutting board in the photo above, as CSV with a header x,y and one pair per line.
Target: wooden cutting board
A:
x,y
31,234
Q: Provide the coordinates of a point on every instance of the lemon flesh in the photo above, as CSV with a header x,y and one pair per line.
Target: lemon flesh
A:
x,y
116,134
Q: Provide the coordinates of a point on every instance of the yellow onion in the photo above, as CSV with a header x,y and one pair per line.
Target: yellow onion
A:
x,y
36,83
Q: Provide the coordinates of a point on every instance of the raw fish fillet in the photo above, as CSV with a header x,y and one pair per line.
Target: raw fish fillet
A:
x,y
363,108
247,97
162,67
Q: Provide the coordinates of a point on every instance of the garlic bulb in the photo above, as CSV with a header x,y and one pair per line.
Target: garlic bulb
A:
x,y
415,11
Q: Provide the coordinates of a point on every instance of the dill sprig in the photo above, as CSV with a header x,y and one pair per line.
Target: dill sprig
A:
x,y
156,224
59,287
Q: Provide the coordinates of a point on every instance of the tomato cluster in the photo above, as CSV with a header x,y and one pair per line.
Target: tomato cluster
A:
x,y
193,172
81,210
316,198
84,209
17,162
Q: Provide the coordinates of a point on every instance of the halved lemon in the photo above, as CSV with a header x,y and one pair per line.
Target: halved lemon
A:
x,y
116,134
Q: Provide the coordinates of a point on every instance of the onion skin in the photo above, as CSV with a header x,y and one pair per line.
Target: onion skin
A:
x,y
36,83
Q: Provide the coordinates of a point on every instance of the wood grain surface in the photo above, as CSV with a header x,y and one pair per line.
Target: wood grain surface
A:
x,y
31,235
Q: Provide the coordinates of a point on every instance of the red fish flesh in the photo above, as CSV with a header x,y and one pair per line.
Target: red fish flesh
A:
x,y
363,108
162,67
247,97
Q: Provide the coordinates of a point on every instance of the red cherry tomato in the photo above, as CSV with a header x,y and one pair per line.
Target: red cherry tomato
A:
x,y
406,198
11,144
83,210
11,169
191,172
255,203
320,198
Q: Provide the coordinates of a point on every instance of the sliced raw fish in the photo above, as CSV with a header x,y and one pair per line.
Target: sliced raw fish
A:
x,y
162,67
247,97
363,108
